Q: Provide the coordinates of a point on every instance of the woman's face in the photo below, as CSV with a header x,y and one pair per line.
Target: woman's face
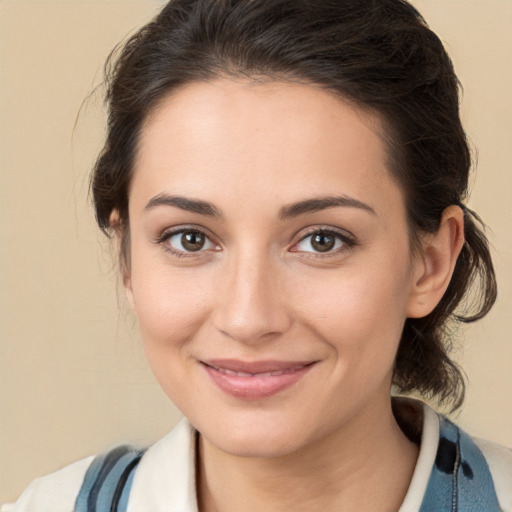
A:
x,y
270,267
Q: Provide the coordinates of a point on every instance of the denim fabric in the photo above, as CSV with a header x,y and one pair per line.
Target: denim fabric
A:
x,y
460,480
108,480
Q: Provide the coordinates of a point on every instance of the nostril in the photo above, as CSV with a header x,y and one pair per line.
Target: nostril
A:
x,y
252,325
250,305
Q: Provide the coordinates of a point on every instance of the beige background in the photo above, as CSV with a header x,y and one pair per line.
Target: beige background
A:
x,y
73,379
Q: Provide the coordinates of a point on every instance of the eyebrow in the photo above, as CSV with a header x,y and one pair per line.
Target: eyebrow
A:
x,y
322,203
184,203
286,212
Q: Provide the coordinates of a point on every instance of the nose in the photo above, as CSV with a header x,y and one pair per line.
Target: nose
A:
x,y
251,306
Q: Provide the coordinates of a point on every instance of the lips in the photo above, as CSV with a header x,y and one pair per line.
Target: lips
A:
x,y
255,380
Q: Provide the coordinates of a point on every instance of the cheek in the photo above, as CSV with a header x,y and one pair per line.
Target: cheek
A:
x,y
360,312
171,308
170,303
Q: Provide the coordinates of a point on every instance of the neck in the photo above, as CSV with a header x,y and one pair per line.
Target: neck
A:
x,y
366,465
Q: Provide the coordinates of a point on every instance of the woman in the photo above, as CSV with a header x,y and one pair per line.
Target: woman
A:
x,y
285,182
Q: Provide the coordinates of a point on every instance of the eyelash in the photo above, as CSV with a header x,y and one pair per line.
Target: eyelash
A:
x,y
167,235
348,242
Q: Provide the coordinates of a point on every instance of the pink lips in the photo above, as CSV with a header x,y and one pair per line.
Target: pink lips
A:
x,y
255,380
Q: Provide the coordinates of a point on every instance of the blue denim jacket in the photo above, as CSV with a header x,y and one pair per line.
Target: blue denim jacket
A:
x,y
460,480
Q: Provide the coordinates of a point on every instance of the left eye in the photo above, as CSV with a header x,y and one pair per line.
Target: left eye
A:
x,y
189,241
320,241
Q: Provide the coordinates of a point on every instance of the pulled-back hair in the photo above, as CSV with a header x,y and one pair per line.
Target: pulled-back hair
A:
x,y
378,54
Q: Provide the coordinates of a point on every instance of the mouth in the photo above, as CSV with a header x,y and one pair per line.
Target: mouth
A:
x,y
255,380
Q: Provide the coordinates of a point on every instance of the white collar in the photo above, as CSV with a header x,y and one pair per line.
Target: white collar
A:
x,y
165,477
426,458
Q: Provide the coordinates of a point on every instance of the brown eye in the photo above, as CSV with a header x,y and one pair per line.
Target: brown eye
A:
x,y
193,240
323,242
187,241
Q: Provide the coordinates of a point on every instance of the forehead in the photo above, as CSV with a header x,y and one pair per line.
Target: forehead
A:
x,y
273,137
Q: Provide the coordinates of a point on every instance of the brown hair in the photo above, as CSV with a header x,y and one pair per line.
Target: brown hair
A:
x,y
379,54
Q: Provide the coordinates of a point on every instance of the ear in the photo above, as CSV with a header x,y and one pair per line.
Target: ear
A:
x,y
122,242
434,266
129,293
128,290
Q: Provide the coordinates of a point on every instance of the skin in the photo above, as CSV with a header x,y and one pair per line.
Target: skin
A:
x,y
258,290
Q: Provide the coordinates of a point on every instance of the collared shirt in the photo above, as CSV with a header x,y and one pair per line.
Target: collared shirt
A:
x,y
165,478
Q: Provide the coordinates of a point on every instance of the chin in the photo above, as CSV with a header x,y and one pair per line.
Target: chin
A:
x,y
256,446
257,438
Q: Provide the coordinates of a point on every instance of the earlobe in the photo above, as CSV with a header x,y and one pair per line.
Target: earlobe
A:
x,y
127,283
121,239
124,268
435,265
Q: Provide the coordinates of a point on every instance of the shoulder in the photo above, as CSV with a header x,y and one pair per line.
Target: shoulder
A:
x,y
499,460
478,458
164,480
484,465
55,492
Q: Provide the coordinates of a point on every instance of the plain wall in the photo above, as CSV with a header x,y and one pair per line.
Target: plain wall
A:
x,y
73,378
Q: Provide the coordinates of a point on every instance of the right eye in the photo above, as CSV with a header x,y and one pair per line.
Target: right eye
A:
x,y
187,241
